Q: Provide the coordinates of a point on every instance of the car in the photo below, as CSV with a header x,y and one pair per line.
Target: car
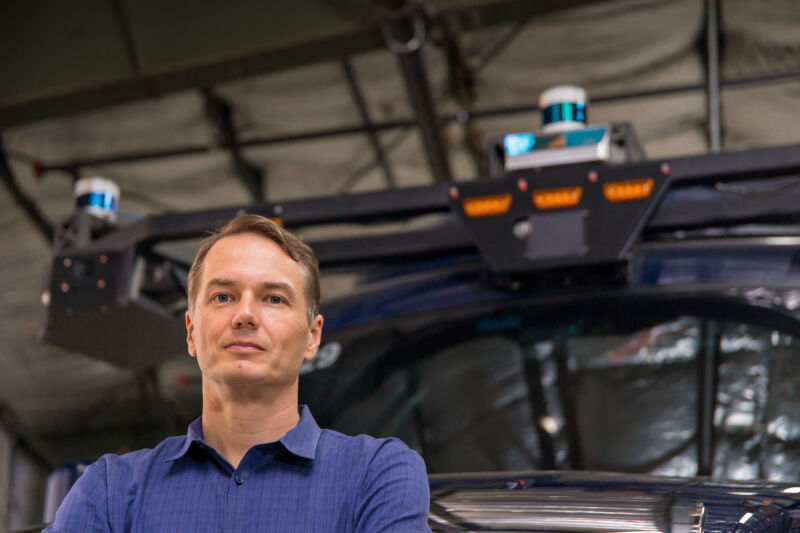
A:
x,y
603,502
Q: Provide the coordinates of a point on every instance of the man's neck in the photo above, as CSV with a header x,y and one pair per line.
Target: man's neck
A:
x,y
234,425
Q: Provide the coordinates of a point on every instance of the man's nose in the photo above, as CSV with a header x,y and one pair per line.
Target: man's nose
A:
x,y
245,315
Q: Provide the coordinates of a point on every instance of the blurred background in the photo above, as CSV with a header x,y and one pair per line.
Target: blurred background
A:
x,y
198,105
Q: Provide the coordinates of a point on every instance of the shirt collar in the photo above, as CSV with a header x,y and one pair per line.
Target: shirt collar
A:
x,y
301,440
193,434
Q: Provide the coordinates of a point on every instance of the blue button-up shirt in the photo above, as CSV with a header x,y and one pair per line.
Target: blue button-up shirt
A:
x,y
311,480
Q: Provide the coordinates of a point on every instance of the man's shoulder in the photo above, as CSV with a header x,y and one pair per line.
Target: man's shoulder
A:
x,y
132,461
369,448
333,438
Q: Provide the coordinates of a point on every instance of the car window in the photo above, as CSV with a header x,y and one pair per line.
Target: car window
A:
x,y
616,391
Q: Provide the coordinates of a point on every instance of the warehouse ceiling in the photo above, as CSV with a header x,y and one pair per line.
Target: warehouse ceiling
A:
x,y
192,105
72,57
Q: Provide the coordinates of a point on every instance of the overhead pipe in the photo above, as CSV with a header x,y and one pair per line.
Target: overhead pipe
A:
x,y
356,129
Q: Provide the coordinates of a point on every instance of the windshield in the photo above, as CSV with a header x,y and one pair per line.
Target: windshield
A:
x,y
590,384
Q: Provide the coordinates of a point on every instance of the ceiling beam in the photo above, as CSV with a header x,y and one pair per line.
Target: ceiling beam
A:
x,y
369,125
207,72
461,85
131,52
219,112
27,205
404,37
419,96
359,36
349,9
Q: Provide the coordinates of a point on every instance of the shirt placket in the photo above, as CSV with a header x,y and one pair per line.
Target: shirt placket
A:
x,y
236,499
227,476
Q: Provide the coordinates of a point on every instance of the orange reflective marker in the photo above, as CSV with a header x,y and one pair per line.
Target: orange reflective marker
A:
x,y
487,206
626,191
557,198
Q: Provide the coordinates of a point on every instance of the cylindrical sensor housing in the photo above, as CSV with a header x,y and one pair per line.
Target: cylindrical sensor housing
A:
x,y
98,196
564,108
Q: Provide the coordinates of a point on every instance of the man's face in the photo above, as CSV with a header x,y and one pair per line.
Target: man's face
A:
x,y
249,323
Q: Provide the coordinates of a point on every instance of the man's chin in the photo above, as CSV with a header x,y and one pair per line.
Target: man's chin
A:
x,y
248,375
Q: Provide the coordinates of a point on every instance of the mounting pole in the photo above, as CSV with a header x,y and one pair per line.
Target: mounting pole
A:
x,y
713,99
707,379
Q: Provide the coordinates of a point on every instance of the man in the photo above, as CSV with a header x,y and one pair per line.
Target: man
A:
x,y
254,460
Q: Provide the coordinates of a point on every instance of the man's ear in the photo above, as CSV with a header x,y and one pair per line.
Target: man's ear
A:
x,y
314,337
190,335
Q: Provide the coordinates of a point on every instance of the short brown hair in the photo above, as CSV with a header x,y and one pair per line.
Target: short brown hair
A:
x,y
289,243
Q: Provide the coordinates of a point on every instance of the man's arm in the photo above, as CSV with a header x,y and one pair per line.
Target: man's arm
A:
x,y
85,509
394,495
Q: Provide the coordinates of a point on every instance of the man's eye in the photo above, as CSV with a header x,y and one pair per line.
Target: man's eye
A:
x,y
221,298
275,299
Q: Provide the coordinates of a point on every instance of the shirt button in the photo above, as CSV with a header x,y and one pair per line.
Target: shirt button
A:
x,y
239,480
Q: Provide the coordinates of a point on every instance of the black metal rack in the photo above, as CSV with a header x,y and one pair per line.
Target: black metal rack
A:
x,y
121,284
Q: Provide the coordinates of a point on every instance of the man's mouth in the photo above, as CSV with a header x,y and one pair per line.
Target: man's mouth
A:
x,y
244,346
